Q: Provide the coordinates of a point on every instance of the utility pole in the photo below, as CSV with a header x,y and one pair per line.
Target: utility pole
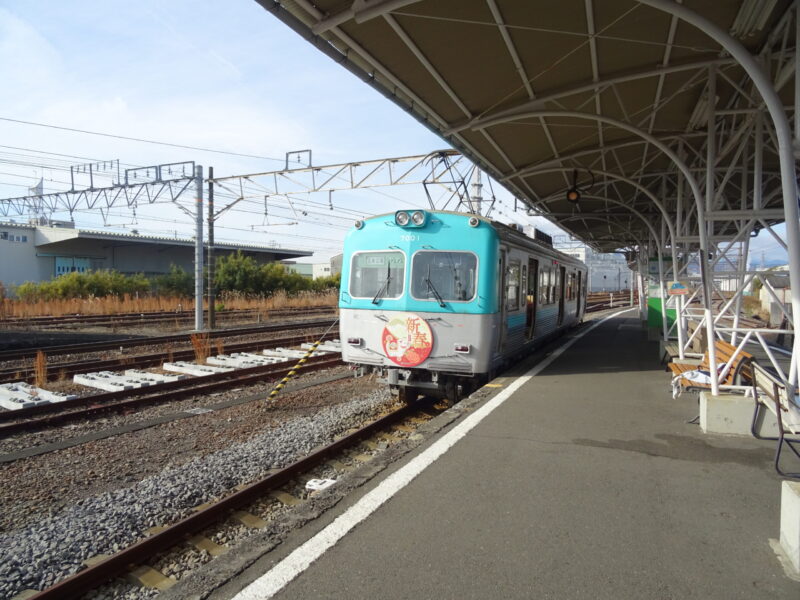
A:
x,y
211,290
198,251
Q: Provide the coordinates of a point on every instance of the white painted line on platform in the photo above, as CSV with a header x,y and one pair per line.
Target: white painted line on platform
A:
x,y
301,558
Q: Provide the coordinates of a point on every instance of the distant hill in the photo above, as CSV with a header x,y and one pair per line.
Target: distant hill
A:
x,y
768,264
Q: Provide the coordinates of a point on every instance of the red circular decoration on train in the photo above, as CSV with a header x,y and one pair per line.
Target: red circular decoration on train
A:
x,y
407,339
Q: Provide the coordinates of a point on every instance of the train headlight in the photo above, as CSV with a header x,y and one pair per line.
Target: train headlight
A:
x,y
418,218
474,221
359,224
401,218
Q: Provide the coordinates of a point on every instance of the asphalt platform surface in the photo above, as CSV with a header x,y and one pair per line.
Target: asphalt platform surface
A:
x,y
588,482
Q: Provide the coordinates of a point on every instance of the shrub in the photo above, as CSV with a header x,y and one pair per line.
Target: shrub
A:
x,y
175,283
236,273
97,284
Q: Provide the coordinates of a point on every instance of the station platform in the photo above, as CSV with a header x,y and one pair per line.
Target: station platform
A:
x,y
586,481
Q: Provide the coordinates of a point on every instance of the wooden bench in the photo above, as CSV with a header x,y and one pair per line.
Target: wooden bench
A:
x,y
672,351
771,392
739,370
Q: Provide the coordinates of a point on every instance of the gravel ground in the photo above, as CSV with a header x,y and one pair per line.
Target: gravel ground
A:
x,y
46,484
50,548
78,428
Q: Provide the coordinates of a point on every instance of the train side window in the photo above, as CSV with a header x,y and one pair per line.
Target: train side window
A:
x,y
512,285
548,299
449,275
377,273
558,284
544,286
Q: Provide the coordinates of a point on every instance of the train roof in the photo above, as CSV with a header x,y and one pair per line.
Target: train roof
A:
x,y
511,234
505,232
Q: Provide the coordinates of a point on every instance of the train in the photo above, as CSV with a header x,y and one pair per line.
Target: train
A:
x,y
436,302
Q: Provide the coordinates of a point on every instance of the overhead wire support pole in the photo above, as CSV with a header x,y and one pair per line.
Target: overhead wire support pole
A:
x,y
198,250
212,315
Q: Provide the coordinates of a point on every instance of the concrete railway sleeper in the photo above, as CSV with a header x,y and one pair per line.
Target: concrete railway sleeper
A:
x,y
135,558
156,394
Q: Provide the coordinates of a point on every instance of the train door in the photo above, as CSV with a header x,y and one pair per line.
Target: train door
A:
x,y
560,291
501,298
579,305
531,294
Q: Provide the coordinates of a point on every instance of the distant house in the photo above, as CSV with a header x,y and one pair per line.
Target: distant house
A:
x,y
309,270
336,264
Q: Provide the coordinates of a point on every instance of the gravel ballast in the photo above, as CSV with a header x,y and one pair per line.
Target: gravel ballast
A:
x,y
44,552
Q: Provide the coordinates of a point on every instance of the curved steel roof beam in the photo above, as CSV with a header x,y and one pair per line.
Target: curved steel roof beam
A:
x,y
592,86
669,152
643,218
359,13
638,186
610,147
609,222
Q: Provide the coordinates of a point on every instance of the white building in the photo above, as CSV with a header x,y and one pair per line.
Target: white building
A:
x,y
608,272
34,253
309,270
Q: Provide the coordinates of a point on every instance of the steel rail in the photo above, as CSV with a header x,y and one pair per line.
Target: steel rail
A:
x,y
156,394
124,318
84,581
158,339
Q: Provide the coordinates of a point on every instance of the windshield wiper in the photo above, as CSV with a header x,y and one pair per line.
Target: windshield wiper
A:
x,y
385,286
433,289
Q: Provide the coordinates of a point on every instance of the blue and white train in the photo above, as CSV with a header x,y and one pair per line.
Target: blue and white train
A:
x,y
435,301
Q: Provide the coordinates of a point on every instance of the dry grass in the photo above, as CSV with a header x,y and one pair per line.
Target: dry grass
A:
x,y
113,305
751,306
202,347
40,369
219,344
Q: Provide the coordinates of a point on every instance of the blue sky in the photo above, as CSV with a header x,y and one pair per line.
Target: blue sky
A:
x,y
207,74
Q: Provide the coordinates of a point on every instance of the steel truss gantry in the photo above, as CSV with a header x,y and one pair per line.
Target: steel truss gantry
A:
x,y
446,169
134,187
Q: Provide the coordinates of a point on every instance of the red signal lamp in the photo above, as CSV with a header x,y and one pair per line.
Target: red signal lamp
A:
x,y
573,195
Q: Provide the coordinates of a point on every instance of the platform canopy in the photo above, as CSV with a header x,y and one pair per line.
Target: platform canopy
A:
x,y
533,92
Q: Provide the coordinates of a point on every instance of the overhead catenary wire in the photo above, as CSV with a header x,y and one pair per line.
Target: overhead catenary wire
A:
x,y
141,140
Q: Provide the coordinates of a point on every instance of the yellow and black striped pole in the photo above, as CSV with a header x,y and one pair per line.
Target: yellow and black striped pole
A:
x,y
282,383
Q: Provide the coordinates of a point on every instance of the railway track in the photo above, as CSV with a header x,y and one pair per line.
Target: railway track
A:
x,y
185,338
211,515
46,415
67,370
149,318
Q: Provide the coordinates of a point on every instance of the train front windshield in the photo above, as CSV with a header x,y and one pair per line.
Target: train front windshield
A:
x,y
377,274
443,276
